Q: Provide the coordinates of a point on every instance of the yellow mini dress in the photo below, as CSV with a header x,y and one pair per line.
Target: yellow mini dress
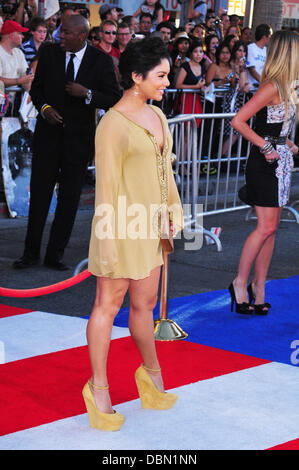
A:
x,y
133,179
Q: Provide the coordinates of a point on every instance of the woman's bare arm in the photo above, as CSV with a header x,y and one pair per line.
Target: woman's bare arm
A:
x,y
263,97
211,72
160,15
266,95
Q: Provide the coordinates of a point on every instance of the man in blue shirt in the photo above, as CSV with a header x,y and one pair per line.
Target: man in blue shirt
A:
x,y
65,12
197,11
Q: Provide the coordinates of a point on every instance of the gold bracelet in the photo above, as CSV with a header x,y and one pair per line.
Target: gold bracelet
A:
x,y
45,107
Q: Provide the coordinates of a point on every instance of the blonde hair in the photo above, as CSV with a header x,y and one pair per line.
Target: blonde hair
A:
x,y
282,64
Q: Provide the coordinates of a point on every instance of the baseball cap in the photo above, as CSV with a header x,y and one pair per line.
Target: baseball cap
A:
x,y
106,8
10,26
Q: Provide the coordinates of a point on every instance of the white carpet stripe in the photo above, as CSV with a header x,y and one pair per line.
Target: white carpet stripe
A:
x,y
37,333
250,409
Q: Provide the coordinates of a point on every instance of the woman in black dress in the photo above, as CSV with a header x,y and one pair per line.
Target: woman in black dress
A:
x,y
269,166
191,76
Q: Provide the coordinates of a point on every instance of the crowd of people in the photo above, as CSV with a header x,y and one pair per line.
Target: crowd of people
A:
x,y
211,49
211,52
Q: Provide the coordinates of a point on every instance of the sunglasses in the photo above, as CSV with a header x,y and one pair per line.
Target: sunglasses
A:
x,y
95,38
110,32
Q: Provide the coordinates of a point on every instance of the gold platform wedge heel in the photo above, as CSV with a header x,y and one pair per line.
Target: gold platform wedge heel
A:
x,y
98,419
150,396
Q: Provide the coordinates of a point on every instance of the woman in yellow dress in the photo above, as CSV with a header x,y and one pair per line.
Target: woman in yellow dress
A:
x,y
134,180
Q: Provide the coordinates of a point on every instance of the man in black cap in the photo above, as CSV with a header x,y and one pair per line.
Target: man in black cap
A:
x,y
109,12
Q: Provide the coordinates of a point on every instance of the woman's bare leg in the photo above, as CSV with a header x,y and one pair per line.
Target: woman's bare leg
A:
x,y
143,298
109,298
268,219
262,264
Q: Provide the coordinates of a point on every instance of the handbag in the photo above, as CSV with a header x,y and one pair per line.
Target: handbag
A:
x,y
166,237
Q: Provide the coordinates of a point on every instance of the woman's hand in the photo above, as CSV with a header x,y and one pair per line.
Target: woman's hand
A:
x,y
201,83
272,157
229,79
294,149
242,62
246,87
178,62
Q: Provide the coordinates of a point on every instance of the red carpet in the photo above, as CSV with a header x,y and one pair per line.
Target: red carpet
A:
x,y
291,445
6,311
44,388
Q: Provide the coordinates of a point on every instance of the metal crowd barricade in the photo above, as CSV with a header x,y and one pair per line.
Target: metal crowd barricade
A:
x,y
184,133
216,193
173,102
213,193
15,93
219,192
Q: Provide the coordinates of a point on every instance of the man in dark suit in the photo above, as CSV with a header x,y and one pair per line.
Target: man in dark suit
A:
x,y
72,79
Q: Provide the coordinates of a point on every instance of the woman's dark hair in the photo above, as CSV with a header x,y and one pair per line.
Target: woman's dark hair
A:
x,y
141,57
193,46
208,41
219,49
228,39
175,49
236,47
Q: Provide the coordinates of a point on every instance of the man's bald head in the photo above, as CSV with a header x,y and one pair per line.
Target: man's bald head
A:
x,y
78,23
74,32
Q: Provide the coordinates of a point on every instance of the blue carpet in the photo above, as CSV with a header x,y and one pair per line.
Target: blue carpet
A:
x,y
208,320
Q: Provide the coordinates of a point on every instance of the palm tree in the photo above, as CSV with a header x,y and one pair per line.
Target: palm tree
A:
x,y
269,12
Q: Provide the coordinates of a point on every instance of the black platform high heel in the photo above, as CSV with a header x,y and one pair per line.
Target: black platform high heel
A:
x,y
259,309
250,293
243,308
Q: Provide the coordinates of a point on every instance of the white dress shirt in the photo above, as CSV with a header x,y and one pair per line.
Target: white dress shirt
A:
x,y
77,62
77,59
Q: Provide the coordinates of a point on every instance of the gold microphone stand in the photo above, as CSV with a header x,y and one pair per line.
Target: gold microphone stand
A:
x,y
166,329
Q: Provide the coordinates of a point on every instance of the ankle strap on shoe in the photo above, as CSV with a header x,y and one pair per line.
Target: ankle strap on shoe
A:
x,y
151,370
96,387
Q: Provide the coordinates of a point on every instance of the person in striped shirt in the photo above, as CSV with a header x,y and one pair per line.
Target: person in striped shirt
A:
x,y
38,29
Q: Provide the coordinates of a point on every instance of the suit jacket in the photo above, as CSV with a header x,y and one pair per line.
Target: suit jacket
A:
x,y
96,72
